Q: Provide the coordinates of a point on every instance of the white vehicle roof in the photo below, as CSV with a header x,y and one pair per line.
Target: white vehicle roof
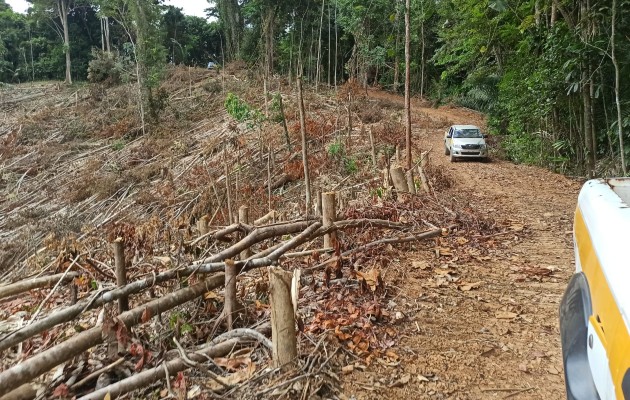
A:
x,y
465,127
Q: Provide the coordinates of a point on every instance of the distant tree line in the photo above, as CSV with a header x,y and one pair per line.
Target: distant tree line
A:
x,y
550,74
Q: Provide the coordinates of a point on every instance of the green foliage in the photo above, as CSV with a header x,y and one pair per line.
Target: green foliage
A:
x,y
104,68
240,110
276,111
336,150
178,319
118,145
350,165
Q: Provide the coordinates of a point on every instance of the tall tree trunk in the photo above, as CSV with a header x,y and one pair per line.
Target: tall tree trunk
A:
x,y
232,21
63,15
617,86
307,182
396,59
268,33
336,45
586,124
329,47
107,36
319,49
103,34
408,82
422,51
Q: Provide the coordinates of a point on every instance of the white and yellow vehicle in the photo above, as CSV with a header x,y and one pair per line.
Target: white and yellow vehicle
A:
x,y
595,309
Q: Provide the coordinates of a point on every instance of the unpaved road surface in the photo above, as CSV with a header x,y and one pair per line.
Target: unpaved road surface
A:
x,y
498,337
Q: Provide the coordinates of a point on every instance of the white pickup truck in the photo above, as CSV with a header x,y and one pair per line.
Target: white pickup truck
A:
x,y
465,141
595,309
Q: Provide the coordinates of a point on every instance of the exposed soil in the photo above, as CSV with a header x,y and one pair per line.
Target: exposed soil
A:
x,y
497,337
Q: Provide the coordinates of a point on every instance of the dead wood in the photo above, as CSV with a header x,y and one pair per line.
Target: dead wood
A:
x,y
410,181
329,215
282,317
270,216
214,349
27,391
399,179
280,181
48,359
243,218
121,273
35,283
395,240
209,265
230,307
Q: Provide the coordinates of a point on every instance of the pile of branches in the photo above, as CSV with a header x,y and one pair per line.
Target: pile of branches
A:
x,y
40,343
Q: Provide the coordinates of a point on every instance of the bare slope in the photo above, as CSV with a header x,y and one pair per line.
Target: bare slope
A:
x,y
470,316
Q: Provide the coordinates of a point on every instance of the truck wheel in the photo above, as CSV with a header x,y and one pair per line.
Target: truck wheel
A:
x,y
446,152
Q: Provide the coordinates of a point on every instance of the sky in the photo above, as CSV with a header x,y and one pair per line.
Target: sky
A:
x,y
190,7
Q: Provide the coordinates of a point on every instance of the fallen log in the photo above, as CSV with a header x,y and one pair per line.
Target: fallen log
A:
x,y
396,240
213,264
146,378
56,355
35,283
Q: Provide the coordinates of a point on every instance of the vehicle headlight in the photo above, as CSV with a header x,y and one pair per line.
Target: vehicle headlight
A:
x,y
457,146
482,146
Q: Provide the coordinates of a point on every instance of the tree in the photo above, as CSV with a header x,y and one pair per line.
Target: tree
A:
x,y
59,10
231,20
407,82
613,57
12,36
150,55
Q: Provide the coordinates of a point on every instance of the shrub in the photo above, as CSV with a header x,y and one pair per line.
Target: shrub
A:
x,y
104,68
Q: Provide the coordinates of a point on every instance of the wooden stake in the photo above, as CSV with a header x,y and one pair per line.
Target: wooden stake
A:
x,y
243,218
387,179
410,183
371,144
121,272
202,225
318,210
268,178
230,307
329,214
282,317
229,195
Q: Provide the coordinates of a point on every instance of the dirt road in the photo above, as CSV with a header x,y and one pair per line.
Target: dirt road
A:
x,y
497,337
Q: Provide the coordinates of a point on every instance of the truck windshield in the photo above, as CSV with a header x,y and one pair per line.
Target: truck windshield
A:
x,y
467,133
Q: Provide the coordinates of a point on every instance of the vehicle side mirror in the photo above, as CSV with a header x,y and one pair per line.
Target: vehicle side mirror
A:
x,y
485,136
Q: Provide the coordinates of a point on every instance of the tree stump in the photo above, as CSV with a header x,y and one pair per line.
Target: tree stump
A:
x,y
400,181
282,317
121,272
329,215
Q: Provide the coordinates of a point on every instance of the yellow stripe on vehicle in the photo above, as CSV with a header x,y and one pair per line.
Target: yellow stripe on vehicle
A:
x,y
606,316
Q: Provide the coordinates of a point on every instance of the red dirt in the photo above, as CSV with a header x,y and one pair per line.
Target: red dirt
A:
x,y
499,337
